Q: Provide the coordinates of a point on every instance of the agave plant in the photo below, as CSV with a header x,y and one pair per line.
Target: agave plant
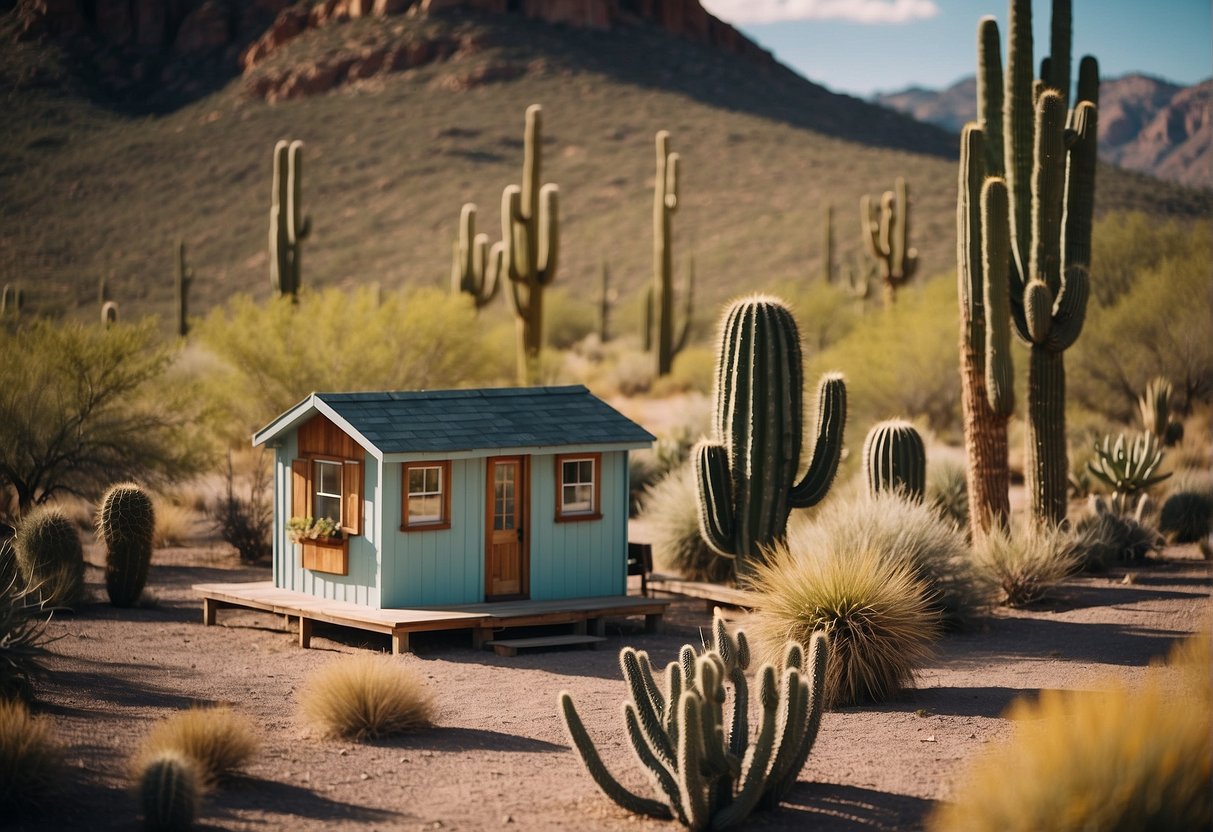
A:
x,y
1128,468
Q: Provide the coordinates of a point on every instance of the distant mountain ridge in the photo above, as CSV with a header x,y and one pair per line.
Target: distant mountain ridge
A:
x,y
1145,124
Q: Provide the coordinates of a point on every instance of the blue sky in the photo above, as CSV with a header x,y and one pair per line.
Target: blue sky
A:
x,y
863,46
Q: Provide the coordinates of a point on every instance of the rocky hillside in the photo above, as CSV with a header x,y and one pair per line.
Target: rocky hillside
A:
x,y
1145,124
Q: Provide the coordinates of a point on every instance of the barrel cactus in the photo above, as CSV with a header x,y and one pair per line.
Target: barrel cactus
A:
x,y
707,768
126,523
895,459
747,472
50,557
168,791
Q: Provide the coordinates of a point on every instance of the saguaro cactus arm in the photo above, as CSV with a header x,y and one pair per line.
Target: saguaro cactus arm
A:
x,y
827,443
475,267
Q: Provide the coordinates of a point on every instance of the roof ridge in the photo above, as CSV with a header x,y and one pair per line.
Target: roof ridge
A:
x,y
449,393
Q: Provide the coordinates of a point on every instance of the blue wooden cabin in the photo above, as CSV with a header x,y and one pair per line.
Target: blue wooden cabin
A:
x,y
454,496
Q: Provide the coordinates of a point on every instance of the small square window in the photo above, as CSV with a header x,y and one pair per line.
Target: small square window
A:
x,y
326,502
427,495
578,492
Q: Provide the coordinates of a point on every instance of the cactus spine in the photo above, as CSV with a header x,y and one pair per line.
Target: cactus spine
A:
x,y
168,791
476,268
895,459
700,755
887,237
109,313
665,202
288,227
185,277
126,522
747,472
530,229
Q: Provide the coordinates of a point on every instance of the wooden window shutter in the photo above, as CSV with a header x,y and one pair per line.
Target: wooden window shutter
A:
x,y
351,498
301,488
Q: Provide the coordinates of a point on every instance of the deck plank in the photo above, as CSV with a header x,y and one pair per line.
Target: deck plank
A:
x,y
716,593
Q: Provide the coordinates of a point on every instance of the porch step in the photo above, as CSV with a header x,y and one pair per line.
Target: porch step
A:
x,y
511,646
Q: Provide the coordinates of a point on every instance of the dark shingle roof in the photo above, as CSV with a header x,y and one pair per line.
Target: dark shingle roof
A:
x,y
463,420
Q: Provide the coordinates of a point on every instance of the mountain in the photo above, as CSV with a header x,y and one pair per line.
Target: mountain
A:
x,y
1145,124
112,150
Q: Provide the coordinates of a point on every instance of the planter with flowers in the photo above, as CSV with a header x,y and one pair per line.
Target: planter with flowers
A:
x,y
325,549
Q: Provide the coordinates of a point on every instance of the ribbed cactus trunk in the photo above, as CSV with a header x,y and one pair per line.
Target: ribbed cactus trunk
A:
x,y
126,522
666,345
1047,466
747,473
530,231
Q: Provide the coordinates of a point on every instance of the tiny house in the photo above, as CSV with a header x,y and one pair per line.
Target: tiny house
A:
x,y
451,496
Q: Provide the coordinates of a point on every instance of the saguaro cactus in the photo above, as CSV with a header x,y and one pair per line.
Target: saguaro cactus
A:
x,y
476,268
987,390
607,295
288,227
827,245
706,767
126,522
895,459
109,313
665,202
185,277
530,230
747,473
12,298
887,237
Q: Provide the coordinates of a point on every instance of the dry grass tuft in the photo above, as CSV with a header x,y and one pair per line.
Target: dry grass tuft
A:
x,y
671,510
218,740
1121,759
1024,565
31,759
367,697
174,523
875,611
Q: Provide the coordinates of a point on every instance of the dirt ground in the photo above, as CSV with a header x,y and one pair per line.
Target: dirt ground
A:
x,y
498,757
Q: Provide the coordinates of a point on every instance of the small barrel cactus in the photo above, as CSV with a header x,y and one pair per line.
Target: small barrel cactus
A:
x,y
169,791
895,459
126,522
50,557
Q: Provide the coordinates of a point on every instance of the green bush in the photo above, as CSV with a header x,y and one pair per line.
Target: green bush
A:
x,y
948,492
273,354
50,557
874,610
670,509
1104,538
568,319
1187,513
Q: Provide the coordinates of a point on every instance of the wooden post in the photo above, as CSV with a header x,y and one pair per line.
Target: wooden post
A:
x,y
652,623
208,612
400,642
305,632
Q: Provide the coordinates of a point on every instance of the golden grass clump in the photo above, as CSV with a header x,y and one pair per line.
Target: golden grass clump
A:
x,y
1023,566
671,509
31,759
875,611
218,740
1126,758
367,697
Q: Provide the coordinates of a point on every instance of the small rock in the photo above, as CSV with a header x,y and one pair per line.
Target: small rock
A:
x,y
365,776
344,752
508,819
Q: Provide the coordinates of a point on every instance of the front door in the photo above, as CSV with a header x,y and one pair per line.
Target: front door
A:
x,y
506,565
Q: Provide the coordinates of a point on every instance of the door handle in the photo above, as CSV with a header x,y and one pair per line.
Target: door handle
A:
x,y
520,534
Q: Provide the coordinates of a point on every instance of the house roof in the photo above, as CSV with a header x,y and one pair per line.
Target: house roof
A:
x,y
424,421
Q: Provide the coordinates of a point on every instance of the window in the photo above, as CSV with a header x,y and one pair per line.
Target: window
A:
x,y
326,476
427,495
577,496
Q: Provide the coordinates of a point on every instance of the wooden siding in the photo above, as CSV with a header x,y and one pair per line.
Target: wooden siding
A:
x,y
320,437
435,566
361,585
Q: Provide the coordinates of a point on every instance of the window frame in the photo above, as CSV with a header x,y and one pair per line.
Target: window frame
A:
x,y
444,467
595,510
314,486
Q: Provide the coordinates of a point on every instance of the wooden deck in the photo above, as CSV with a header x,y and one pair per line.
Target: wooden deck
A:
x,y
714,594
586,615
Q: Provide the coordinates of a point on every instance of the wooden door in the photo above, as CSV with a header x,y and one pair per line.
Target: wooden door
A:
x,y
506,567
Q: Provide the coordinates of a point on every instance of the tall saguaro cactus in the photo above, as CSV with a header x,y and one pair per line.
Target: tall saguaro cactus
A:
x,y
987,390
530,230
887,237
476,269
288,227
747,472
185,278
666,345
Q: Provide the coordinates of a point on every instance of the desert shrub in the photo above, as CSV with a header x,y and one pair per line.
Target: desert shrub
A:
x,y
31,759
1125,758
366,697
900,531
218,740
567,319
892,373
247,523
22,631
82,406
948,492
1023,565
875,612
1104,538
1186,515
825,314
272,354
169,789
1125,244
694,370
670,509
50,557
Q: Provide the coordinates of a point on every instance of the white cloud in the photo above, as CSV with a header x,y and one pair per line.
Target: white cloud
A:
x,y
855,11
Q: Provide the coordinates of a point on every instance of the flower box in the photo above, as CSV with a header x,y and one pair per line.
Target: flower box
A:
x,y
326,554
